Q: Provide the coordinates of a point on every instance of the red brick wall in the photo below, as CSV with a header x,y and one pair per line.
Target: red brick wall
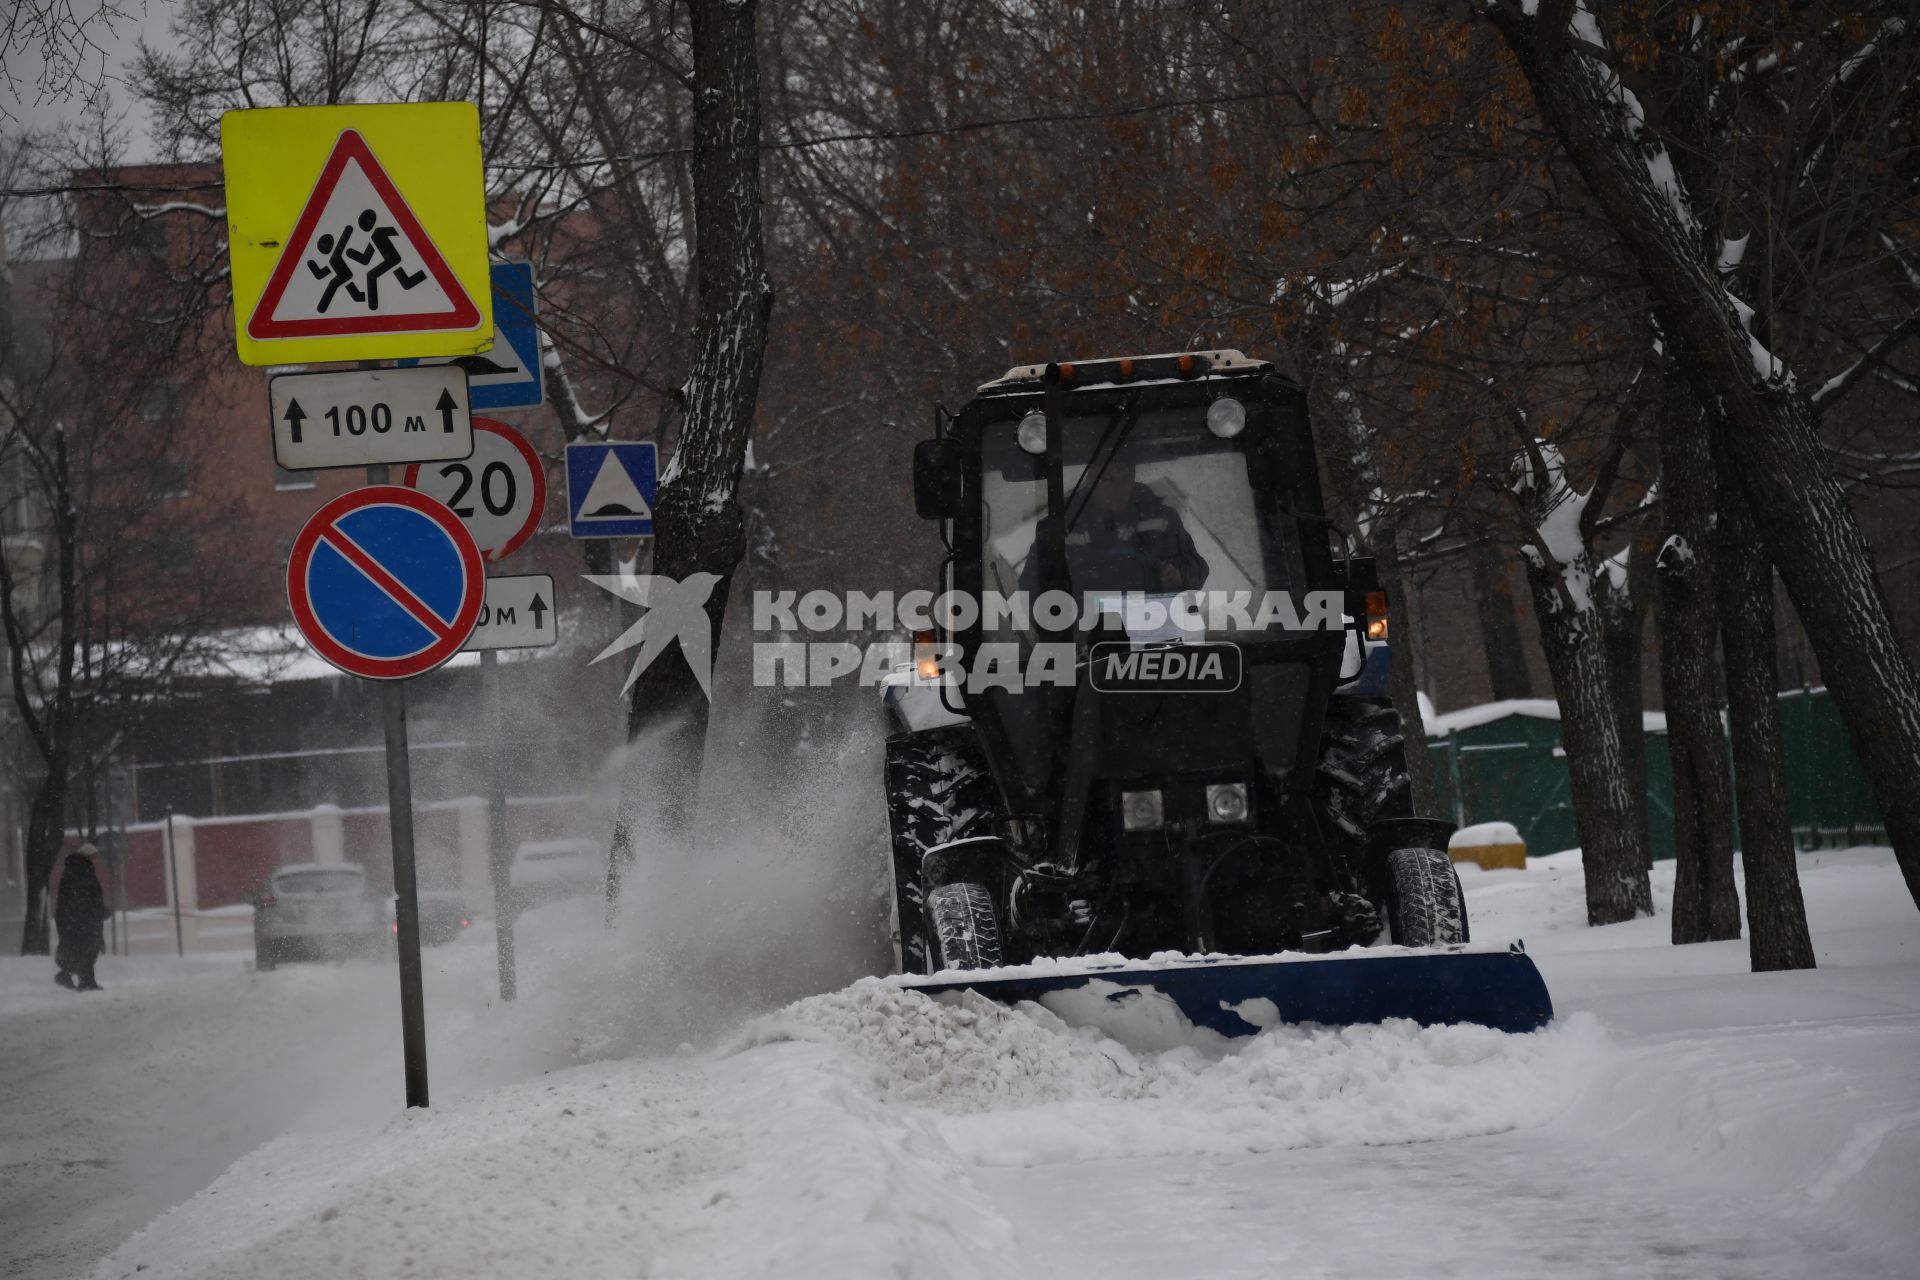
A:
x,y
436,843
147,868
234,858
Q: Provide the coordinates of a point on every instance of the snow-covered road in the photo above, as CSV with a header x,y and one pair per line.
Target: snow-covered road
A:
x,y
1682,1118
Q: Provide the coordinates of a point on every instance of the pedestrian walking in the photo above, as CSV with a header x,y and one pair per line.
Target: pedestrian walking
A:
x,y
79,913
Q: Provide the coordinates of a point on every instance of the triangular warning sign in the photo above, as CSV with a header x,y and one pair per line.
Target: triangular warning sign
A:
x,y
358,261
613,494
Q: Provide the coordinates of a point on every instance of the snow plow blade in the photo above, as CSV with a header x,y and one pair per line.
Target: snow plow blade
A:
x,y
1239,996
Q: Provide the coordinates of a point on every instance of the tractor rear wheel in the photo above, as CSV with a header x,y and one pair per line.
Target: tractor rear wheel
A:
x,y
938,791
963,927
1425,906
1361,779
1363,767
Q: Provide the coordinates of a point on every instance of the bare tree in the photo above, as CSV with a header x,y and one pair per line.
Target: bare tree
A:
x,y
1705,905
67,43
107,595
1721,341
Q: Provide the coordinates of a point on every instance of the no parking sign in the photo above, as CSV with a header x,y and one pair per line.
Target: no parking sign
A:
x,y
385,582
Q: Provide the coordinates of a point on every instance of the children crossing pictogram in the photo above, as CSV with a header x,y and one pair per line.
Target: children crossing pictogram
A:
x,y
358,261
331,266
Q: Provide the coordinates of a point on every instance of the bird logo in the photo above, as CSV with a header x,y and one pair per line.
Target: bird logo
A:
x,y
676,610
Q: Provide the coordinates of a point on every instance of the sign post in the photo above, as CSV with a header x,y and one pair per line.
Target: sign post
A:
x,y
360,233
506,906
519,614
406,890
386,583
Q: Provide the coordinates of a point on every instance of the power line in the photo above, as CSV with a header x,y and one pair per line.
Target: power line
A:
x,y
780,144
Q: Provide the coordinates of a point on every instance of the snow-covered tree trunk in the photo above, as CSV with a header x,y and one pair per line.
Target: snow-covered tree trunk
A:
x,y
697,519
1572,594
1776,913
1705,905
1622,594
1799,508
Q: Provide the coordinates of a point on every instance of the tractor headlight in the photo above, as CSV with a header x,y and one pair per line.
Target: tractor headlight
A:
x,y
1226,417
1032,433
1227,801
1142,810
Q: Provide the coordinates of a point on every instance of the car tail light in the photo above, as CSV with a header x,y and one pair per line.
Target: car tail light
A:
x,y
394,928
464,922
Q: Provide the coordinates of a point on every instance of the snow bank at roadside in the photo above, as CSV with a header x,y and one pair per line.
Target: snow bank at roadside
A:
x,y
778,1163
1018,1086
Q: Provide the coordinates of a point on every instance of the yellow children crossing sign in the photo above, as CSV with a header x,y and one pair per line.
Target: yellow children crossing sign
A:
x,y
357,233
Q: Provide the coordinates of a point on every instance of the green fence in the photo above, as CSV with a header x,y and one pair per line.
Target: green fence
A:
x,y
1505,763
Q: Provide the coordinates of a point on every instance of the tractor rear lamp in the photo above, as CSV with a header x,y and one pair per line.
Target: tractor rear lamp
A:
x,y
1227,801
1226,417
1376,628
1142,810
1032,433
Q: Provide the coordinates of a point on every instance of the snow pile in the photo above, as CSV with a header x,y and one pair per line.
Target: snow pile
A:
x,y
1019,1086
772,1165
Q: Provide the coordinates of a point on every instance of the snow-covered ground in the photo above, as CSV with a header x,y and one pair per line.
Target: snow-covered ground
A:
x,y
1681,1118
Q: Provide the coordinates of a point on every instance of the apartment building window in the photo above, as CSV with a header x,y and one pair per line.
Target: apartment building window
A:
x,y
160,401
167,478
149,238
173,554
284,479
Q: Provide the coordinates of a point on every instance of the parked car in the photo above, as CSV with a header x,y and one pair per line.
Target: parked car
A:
x,y
443,916
315,911
543,870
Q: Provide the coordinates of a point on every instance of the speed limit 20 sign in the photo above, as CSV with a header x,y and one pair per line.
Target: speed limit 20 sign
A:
x,y
499,491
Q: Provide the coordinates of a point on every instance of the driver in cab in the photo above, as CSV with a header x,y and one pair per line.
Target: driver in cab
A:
x,y
1125,538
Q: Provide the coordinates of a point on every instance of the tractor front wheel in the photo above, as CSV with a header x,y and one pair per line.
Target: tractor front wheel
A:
x,y
963,927
1424,904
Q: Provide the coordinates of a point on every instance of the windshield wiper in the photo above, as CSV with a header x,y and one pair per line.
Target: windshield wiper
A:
x,y
1117,431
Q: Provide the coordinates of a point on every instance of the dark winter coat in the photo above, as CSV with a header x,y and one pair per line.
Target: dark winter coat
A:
x,y
79,911
1141,546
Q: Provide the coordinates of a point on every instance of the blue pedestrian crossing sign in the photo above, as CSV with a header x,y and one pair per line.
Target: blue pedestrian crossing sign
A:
x,y
610,488
385,582
510,375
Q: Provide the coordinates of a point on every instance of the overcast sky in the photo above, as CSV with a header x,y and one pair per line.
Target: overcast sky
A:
x,y
22,104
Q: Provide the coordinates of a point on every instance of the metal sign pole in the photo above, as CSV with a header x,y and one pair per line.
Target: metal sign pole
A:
x,y
499,862
406,907
173,873
413,1007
